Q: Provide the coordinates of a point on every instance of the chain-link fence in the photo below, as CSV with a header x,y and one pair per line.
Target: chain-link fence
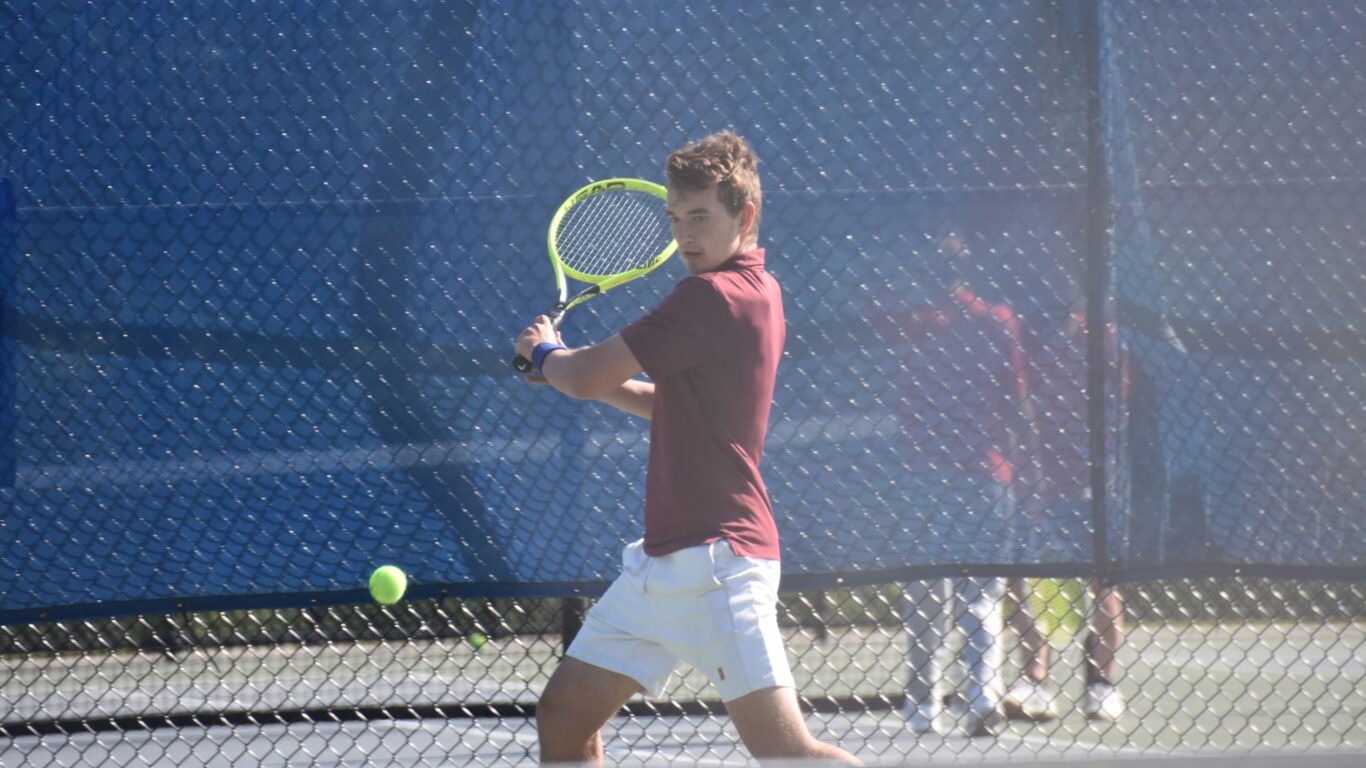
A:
x,y
1074,292
1217,666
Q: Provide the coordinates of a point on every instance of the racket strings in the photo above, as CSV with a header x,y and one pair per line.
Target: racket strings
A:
x,y
613,232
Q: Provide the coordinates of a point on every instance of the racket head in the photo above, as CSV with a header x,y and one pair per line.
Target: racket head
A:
x,y
609,232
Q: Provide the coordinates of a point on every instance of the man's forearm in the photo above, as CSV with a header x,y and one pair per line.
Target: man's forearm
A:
x,y
634,396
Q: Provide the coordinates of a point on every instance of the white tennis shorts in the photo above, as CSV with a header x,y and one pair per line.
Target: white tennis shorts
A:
x,y
704,606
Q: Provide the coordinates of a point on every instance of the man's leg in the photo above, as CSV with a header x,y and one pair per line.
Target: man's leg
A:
x,y
1032,696
928,607
579,699
979,609
771,725
1105,633
1033,647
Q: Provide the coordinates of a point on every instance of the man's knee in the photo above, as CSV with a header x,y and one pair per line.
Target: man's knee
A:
x,y
577,701
560,712
552,708
555,732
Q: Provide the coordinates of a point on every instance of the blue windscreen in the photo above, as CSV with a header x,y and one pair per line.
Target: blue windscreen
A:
x,y
262,266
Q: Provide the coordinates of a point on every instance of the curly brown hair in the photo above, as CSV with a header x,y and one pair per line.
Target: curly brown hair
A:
x,y
723,160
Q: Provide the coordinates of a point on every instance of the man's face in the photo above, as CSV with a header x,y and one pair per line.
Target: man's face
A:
x,y
707,234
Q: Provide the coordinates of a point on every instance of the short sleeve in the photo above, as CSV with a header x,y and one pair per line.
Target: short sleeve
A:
x,y
680,332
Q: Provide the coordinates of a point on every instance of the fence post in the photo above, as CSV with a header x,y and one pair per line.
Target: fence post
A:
x,y
1097,288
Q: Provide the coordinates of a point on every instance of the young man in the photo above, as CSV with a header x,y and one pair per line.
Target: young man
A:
x,y
702,586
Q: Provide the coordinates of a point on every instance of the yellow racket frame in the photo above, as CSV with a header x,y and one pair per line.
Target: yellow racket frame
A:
x,y
598,284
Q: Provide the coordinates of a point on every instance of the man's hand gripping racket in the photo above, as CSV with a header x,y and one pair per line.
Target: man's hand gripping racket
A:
x,y
606,234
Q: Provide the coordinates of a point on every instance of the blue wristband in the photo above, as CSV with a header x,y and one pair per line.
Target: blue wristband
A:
x,y
540,351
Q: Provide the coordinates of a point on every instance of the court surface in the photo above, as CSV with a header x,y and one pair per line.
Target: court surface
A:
x,y
418,742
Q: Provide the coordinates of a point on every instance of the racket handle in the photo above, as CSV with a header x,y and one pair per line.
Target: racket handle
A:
x,y
522,364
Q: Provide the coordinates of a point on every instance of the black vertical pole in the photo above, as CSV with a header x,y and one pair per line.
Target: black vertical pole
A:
x,y
1097,287
8,374
572,611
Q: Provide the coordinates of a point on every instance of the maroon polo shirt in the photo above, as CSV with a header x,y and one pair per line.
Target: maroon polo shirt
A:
x,y
712,348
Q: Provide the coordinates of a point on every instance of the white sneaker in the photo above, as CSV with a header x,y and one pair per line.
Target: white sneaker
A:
x,y
920,718
1103,701
1028,700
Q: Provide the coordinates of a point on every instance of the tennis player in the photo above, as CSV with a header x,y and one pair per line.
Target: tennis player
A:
x,y
701,587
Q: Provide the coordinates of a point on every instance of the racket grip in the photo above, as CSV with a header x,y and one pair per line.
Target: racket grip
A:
x,y
522,364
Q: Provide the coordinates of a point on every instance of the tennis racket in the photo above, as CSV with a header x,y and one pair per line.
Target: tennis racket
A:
x,y
606,234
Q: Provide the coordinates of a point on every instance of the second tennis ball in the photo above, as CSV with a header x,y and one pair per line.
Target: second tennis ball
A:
x,y
387,584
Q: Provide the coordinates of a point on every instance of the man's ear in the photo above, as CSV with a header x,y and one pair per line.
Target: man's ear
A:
x,y
747,219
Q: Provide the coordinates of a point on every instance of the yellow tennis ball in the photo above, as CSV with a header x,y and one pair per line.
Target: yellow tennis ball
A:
x,y
476,640
387,584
